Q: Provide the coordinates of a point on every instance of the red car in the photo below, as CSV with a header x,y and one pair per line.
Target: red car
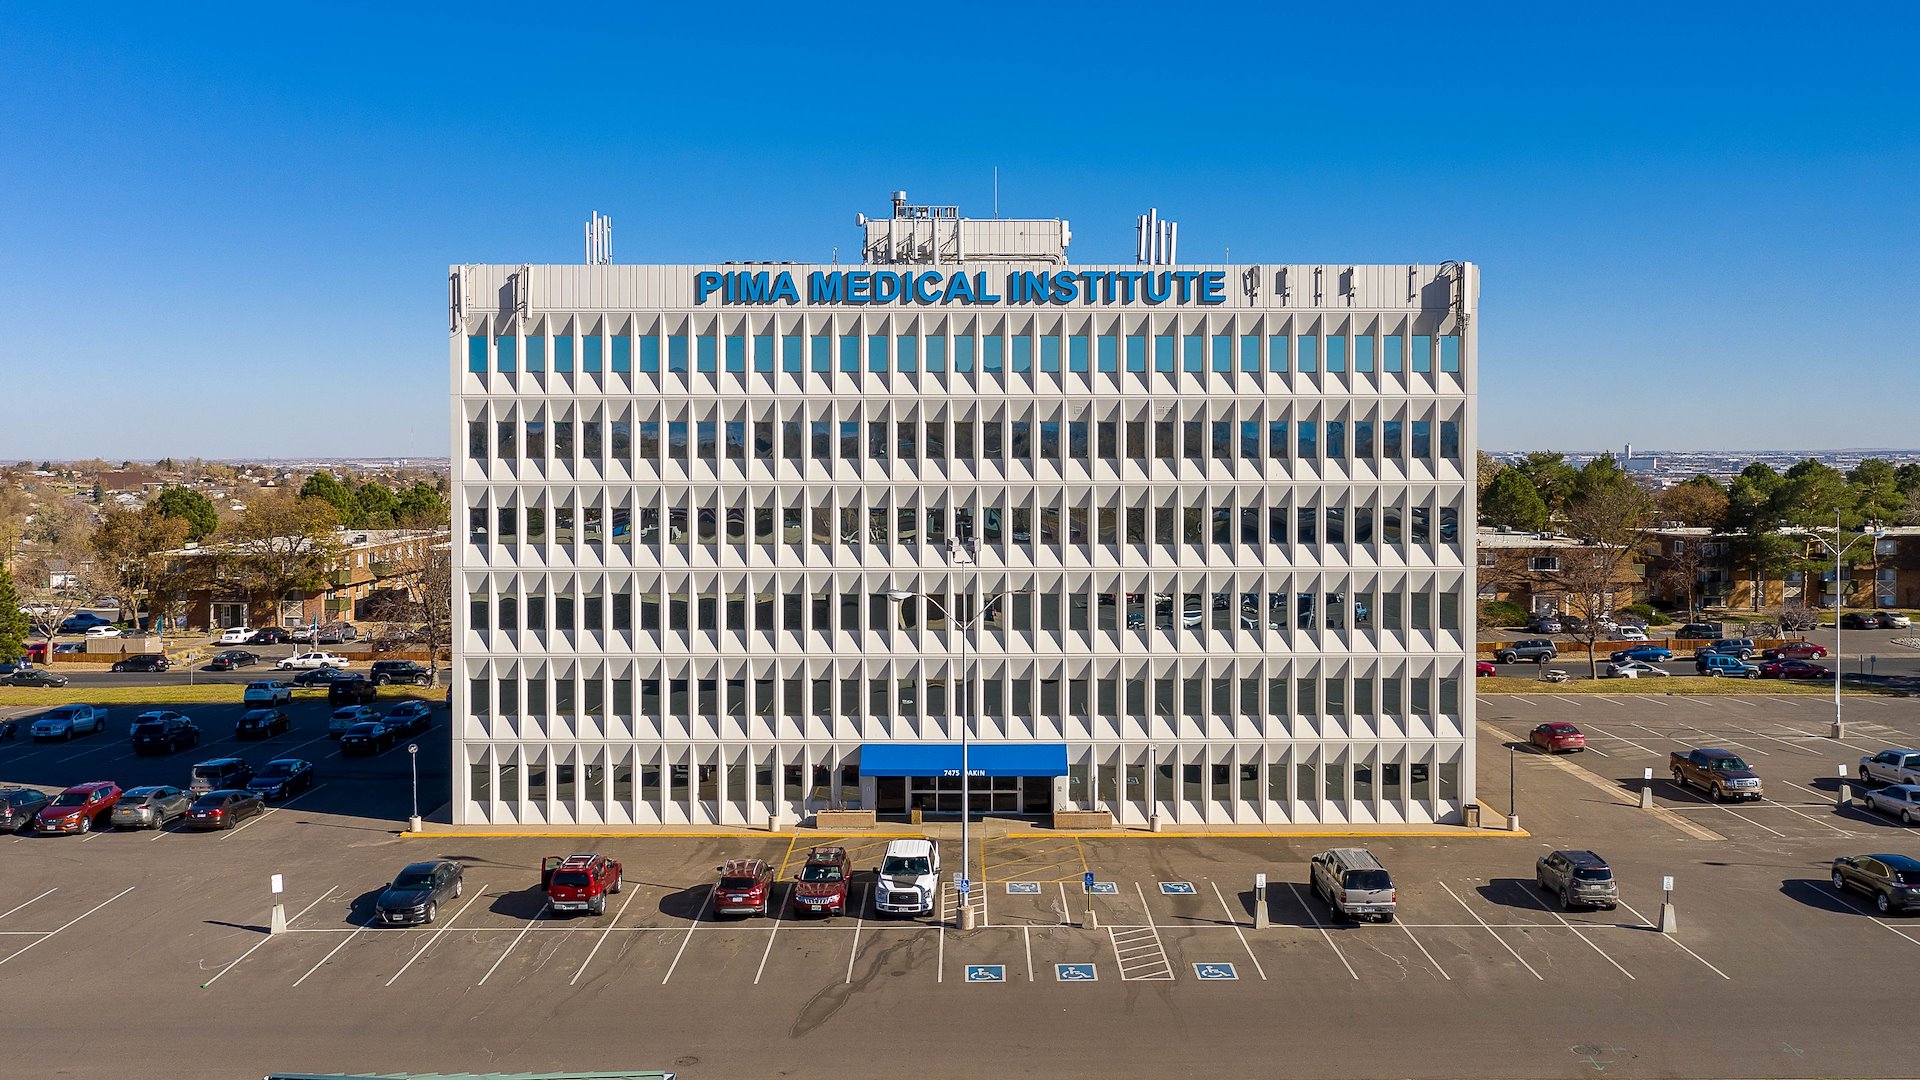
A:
x,y
81,808
821,887
745,888
1484,668
1556,737
1794,669
577,883
1797,650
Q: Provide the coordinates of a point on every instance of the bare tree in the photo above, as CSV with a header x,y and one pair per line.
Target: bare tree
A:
x,y
1684,564
419,609
1610,516
60,576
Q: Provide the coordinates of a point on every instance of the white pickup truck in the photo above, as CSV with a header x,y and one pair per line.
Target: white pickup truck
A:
x,y
909,878
1892,767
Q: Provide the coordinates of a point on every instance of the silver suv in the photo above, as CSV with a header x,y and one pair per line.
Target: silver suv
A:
x,y
1578,878
1354,884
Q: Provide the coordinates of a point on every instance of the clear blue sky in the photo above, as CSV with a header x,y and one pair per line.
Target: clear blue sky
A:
x,y
226,232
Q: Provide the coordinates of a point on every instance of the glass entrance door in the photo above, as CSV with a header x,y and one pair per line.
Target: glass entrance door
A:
x,y
989,794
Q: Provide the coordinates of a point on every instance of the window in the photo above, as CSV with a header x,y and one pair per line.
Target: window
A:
x,y
1544,563
477,356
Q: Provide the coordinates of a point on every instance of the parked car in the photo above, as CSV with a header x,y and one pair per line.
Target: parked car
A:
x,y
1721,773
103,631
162,732
370,737
1892,880
320,678
308,661
1699,631
1633,669
580,883
1557,736
1860,620
416,893
269,692
232,659
224,809
18,805
144,662
1532,650
150,807
1794,669
1741,648
1796,650
1628,633
909,878
1578,878
1891,767
270,635
347,716
351,688
81,808
282,778
220,774
1545,624
1723,664
1646,654
334,633
1484,668
1899,800
745,888
68,721
236,635
1895,620
262,724
410,718
399,671
1354,884
82,622
33,676
820,888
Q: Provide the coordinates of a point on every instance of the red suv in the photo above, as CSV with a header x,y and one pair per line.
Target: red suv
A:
x,y
745,888
80,808
821,888
576,883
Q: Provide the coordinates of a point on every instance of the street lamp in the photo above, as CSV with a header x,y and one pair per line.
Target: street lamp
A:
x,y
966,711
1839,601
413,758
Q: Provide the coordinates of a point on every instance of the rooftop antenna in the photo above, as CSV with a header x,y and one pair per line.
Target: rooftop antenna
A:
x,y
599,239
1158,240
996,192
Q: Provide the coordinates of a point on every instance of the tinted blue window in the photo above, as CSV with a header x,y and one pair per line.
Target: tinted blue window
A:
x,y
1193,353
1450,353
793,353
1022,353
937,353
622,353
676,353
650,353
992,350
1077,353
1136,352
1309,438
763,352
477,354
1306,353
1390,348
1422,352
1277,439
504,349
1109,352
1336,352
1250,353
849,352
1336,439
563,352
963,353
1163,352
876,352
706,356
1422,439
1223,353
1450,440
736,347
1277,353
536,352
822,352
1049,353
906,353
1363,352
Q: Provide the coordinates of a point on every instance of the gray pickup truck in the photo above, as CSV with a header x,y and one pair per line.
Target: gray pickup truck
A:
x,y
1891,767
1720,773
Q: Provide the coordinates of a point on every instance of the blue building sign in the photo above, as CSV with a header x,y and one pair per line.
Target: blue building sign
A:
x,y
939,288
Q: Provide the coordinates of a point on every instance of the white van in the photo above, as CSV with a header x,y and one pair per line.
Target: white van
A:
x,y
909,878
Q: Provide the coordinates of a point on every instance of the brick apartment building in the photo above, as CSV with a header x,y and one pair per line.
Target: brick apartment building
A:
x,y
371,560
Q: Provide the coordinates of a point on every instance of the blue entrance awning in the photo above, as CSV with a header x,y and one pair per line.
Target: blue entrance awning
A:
x,y
983,759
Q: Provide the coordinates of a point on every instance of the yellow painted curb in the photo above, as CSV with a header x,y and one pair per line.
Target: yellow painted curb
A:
x,y
750,834
1378,834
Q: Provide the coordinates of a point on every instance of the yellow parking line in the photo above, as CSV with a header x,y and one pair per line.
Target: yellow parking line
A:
x,y
787,858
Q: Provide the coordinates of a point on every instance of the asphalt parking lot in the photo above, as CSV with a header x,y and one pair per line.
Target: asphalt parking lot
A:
x,y
1770,973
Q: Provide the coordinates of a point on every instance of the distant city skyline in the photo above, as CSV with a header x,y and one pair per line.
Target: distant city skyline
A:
x,y
230,235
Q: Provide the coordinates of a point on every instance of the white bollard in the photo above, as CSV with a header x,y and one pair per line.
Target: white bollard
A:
x,y
1844,794
1669,918
1646,789
1260,901
277,924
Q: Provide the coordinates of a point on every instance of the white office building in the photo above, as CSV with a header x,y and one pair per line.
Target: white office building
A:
x,y
733,541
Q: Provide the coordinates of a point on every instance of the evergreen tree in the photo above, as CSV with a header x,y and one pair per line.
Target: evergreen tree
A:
x,y
13,621
1514,502
192,507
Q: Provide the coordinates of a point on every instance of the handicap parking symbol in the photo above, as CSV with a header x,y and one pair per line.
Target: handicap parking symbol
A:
x,y
986,973
1215,972
1023,888
1177,888
1075,973
1104,887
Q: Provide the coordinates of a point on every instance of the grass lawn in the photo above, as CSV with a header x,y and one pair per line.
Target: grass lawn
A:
x,y
199,694
1691,685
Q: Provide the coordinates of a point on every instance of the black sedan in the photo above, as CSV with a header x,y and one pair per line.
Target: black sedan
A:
x,y
262,724
1860,620
144,662
320,678
224,809
18,805
371,737
410,718
33,677
232,659
282,778
270,635
416,892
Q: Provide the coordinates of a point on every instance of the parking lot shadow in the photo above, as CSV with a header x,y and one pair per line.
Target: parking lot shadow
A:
x,y
525,903
1511,892
687,903
1818,895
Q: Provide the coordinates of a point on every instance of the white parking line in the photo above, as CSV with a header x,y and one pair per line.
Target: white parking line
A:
x,y
1676,941
1294,888
448,925
1425,953
1531,898
1622,738
1776,738
17,907
778,918
1704,801
859,917
1027,933
691,927
271,811
1222,897
1843,898
514,944
603,938
264,939
343,944
1491,930
68,923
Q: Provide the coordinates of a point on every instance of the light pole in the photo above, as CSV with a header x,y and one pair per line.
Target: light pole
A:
x,y
413,758
966,709
1839,601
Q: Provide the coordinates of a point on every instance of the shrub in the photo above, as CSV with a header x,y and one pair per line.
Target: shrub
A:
x,y
1502,613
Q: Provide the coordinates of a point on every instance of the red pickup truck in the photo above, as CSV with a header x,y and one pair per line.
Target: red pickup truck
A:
x,y
577,883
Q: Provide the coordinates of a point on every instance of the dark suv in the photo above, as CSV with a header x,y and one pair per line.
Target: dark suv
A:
x,y
163,734
1892,880
399,671
1533,650
1577,877
351,688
